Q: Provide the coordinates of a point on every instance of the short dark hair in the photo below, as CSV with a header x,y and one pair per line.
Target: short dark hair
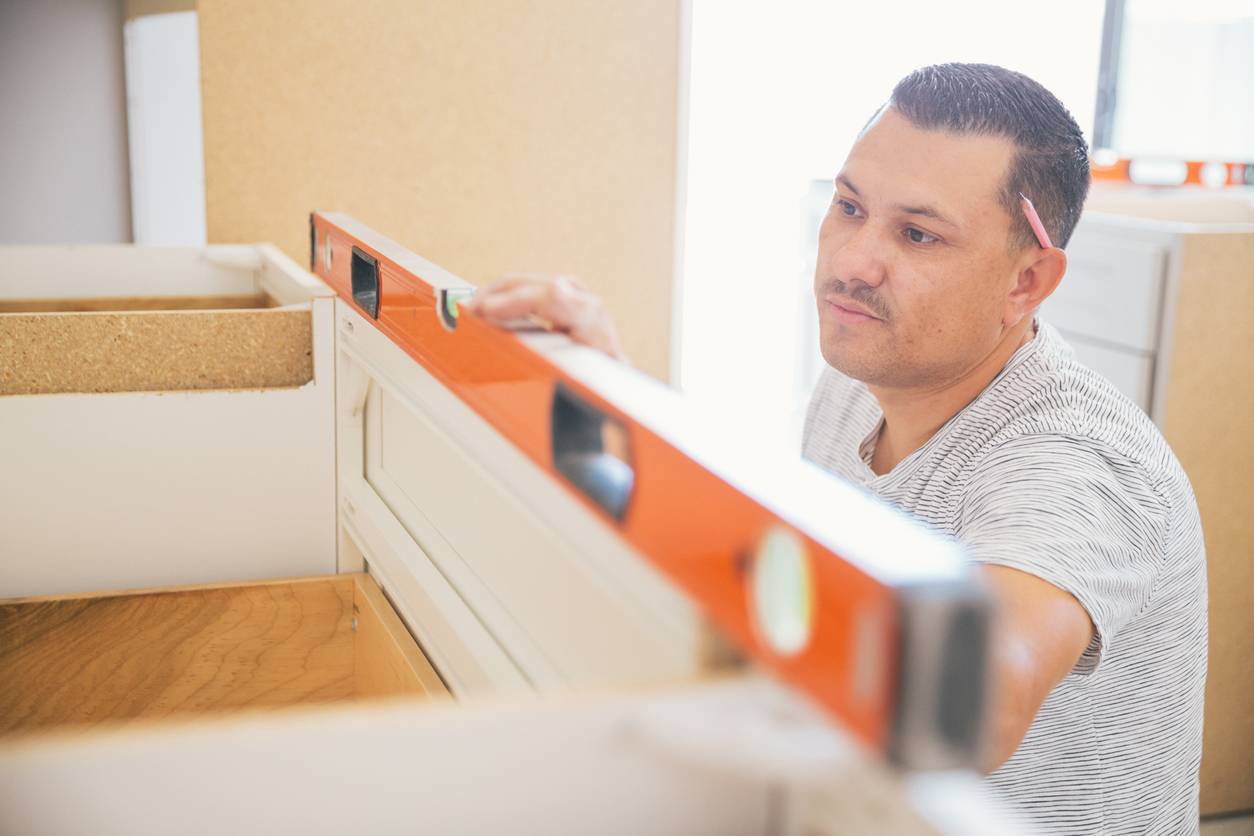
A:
x,y
1051,165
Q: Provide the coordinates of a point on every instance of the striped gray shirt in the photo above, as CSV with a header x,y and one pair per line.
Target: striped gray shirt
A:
x,y
1053,472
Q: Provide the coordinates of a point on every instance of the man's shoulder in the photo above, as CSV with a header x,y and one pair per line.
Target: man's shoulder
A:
x,y
1052,399
1056,425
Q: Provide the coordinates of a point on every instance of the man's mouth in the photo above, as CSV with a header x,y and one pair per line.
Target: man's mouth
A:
x,y
849,312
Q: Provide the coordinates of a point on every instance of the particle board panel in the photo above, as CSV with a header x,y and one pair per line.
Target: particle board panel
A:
x,y
137,303
1209,422
149,351
491,136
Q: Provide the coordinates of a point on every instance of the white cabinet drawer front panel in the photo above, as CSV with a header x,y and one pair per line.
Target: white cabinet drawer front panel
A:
x,y
467,657
1112,291
558,592
581,626
1131,371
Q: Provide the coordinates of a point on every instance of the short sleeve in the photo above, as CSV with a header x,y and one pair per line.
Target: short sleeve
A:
x,y
1076,515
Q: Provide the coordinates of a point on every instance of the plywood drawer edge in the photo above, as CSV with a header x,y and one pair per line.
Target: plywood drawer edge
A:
x,y
387,659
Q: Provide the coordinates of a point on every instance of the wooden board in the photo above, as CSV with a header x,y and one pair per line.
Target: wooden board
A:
x,y
144,654
386,662
1209,422
155,350
71,661
136,303
490,136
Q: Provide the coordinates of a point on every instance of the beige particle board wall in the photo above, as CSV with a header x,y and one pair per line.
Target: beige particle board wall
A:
x,y
1209,422
488,136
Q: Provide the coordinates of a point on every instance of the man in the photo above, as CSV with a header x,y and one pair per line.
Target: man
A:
x,y
950,399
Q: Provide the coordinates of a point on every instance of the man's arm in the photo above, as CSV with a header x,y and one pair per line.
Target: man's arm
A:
x,y
1040,634
1042,630
1069,536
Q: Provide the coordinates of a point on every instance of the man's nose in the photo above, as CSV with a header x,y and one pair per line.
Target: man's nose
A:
x,y
858,258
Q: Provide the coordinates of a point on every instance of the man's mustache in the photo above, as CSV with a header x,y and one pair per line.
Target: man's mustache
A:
x,y
864,295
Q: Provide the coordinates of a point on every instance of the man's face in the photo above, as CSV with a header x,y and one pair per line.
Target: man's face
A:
x,y
914,266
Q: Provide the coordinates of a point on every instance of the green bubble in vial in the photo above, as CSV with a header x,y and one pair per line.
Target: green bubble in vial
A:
x,y
452,298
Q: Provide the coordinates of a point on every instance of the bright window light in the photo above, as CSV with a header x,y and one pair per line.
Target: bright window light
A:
x,y
777,95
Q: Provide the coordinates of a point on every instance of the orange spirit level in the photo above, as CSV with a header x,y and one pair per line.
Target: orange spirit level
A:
x,y
854,604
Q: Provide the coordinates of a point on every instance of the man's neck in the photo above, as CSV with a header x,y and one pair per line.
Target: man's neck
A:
x,y
912,416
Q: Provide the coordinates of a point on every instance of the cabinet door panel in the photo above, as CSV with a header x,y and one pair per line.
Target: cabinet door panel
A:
x,y
1112,291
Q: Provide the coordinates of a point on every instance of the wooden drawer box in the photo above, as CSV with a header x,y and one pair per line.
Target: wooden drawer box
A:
x,y
88,660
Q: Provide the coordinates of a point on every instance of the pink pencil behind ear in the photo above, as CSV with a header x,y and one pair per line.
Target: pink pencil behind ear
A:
x,y
1034,220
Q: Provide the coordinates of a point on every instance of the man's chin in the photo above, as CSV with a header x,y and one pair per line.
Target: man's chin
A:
x,y
853,364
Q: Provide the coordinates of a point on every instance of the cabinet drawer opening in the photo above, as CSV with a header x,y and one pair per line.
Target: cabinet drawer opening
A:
x,y
81,661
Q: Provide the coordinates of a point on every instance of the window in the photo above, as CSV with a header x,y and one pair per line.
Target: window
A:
x,y
1184,81
777,95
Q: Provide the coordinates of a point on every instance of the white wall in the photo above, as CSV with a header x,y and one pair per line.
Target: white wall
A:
x,y
163,117
63,147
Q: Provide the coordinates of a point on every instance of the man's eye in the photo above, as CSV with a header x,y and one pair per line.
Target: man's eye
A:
x,y
847,208
918,236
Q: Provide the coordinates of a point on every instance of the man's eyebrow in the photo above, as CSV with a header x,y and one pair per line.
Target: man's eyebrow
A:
x,y
925,211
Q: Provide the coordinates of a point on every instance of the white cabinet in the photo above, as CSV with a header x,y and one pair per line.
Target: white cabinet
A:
x,y
168,412
1110,304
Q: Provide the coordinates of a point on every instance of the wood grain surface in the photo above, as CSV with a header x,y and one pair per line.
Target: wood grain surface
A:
x,y
387,661
87,661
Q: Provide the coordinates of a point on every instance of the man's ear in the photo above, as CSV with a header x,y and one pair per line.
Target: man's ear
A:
x,y
1037,278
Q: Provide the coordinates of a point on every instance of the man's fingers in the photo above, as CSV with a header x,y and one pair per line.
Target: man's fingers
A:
x,y
531,299
561,302
503,286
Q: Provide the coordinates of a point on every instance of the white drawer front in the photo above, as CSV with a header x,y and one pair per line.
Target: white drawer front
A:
x,y
1112,291
533,591
1132,372
512,553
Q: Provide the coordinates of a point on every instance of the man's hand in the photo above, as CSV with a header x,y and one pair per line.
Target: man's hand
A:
x,y
560,302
